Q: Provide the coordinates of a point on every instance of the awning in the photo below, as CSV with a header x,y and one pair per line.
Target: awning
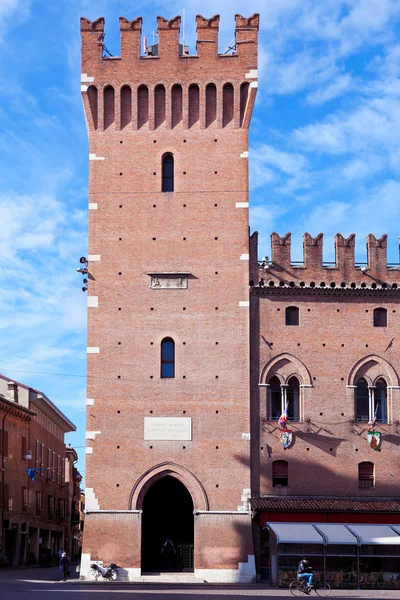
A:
x,y
296,533
336,533
375,534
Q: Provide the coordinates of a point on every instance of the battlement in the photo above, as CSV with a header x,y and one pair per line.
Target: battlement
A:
x,y
246,37
314,272
135,90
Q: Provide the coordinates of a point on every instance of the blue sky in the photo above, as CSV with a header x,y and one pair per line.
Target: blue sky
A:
x,y
324,153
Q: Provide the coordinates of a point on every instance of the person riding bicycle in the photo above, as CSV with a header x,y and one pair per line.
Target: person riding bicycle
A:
x,y
305,571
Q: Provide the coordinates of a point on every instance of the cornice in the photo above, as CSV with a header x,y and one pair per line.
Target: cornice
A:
x,y
358,292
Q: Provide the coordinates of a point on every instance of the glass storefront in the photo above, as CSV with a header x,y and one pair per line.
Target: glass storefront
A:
x,y
349,563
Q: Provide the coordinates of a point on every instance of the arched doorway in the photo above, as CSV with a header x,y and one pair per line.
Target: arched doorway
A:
x,y
167,513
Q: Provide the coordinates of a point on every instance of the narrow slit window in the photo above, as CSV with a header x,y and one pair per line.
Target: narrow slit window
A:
x,y
168,173
366,475
143,105
194,104
280,473
380,317
109,106
292,315
167,358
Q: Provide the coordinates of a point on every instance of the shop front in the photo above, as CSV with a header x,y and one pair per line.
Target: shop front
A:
x,y
344,554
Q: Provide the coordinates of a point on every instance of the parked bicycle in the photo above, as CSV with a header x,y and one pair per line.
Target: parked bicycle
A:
x,y
298,587
97,572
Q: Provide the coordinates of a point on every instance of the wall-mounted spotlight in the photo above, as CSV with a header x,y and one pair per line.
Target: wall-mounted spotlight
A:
x,y
83,260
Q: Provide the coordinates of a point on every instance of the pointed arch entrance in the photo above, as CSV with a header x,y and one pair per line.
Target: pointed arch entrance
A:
x,y
167,527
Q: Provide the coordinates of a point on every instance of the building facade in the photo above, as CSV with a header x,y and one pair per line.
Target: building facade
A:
x,y
218,412
168,452
323,344
34,509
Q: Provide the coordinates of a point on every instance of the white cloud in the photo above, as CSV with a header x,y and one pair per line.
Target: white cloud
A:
x,y
336,88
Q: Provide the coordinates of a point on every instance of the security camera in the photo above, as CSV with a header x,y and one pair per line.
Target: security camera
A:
x,y
83,260
363,269
85,281
84,289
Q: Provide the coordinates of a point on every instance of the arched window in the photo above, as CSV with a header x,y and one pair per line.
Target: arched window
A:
x,y
366,475
126,106
109,106
275,403
159,105
362,401
227,104
292,399
93,101
176,105
292,315
282,395
380,317
168,172
211,103
280,473
244,92
194,104
380,400
167,358
371,401
143,105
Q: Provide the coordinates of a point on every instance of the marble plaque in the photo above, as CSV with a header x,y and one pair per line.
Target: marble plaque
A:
x,y
173,282
167,428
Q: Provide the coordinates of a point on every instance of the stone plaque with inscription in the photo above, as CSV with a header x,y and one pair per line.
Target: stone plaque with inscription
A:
x,y
168,281
167,428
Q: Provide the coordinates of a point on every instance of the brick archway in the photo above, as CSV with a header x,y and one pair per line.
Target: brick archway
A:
x,y
189,480
371,368
285,366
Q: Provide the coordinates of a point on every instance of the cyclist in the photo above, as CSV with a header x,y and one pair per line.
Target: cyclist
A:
x,y
305,571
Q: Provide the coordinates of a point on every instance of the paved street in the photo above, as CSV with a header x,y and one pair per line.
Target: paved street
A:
x,y
45,584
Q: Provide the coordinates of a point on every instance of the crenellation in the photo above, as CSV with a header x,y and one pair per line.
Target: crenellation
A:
x,y
97,25
207,36
130,36
168,37
312,248
376,255
246,35
281,247
344,254
344,272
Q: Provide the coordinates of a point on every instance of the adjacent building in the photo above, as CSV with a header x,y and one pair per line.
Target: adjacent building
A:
x,y
323,345
36,507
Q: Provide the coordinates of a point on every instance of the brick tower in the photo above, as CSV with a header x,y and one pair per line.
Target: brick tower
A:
x,y
168,451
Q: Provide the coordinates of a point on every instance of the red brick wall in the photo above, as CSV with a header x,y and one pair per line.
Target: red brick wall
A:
x,y
335,333
197,229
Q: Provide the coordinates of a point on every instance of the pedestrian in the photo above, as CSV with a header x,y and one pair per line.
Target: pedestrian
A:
x,y
64,566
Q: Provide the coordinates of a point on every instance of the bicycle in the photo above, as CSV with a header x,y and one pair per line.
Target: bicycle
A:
x,y
298,587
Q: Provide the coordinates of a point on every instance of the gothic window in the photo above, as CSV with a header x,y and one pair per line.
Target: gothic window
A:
x,y
380,317
292,315
281,395
167,358
168,173
280,473
371,400
366,475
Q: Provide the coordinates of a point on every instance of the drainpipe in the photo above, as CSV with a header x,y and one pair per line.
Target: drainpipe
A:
x,y
3,508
